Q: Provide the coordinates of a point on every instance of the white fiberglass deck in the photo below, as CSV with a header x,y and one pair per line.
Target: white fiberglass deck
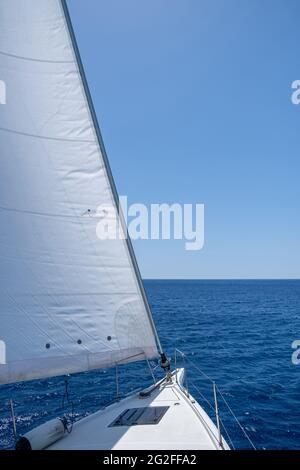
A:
x,y
184,425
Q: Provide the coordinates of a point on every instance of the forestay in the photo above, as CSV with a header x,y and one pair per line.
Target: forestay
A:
x,y
69,302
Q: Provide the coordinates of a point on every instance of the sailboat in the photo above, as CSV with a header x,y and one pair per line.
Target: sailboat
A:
x,y
70,302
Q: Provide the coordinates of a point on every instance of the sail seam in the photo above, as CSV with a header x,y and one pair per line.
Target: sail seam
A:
x,y
43,137
31,59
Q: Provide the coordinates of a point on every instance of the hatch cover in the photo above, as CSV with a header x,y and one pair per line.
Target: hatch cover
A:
x,y
136,416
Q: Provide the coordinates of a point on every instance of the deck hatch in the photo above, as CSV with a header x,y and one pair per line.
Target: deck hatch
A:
x,y
138,416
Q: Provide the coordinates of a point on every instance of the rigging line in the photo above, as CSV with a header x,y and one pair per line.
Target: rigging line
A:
x,y
223,398
113,188
12,411
202,396
32,59
227,434
194,365
207,426
151,371
213,409
117,383
66,398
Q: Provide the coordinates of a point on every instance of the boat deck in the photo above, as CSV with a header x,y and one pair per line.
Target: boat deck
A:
x,y
183,424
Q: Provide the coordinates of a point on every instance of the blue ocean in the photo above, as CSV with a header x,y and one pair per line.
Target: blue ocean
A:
x,y
237,332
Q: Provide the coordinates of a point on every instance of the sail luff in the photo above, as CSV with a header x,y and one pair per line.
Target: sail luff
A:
x,y
108,170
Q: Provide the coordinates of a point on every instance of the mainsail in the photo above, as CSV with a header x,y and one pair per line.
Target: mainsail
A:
x,y
69,302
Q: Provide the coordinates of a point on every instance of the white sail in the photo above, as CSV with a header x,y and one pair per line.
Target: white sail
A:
x,y
69,302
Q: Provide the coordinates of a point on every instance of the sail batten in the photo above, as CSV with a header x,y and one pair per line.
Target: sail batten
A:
x,y
69,302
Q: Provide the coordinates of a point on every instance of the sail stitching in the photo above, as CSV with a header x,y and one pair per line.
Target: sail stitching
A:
x,y
31,59
45,137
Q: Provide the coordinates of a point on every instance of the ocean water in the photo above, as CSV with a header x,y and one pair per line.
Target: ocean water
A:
x,y
237,332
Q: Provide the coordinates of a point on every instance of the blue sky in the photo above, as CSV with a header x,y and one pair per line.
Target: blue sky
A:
x,y
194,103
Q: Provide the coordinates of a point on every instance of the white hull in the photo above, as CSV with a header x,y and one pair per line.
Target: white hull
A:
x,y
185,425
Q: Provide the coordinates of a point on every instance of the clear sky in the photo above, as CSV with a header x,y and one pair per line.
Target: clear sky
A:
x,y
194,103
